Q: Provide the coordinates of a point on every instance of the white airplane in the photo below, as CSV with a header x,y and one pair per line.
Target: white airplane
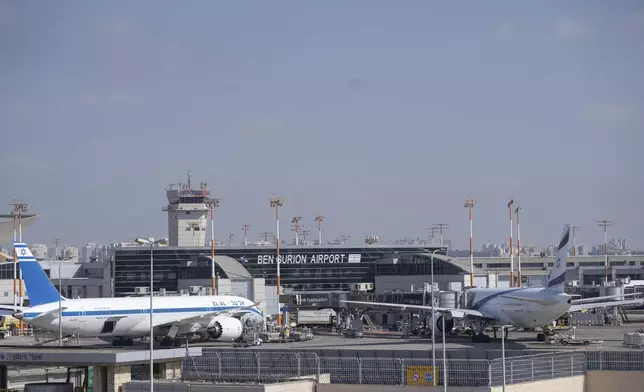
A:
x,y
120,320
518,307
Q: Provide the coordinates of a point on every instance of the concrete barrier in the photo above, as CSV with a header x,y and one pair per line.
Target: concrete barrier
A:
x,y
393,388
601,381
563,384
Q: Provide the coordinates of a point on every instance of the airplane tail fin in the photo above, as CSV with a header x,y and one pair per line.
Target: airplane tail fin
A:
x,y
557,275
40,290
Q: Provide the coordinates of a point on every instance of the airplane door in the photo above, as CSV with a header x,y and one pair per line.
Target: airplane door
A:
x,y
108,326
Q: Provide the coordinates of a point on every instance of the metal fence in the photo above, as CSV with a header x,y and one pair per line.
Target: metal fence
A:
x,y
262,367
18,376
622,360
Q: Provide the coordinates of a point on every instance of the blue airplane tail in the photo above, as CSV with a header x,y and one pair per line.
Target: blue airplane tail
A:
x,y
39,288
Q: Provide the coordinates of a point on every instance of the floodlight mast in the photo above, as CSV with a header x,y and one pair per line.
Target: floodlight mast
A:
x,y
519,279
605,224
17,210
212,203
276,203
511,248
469,204
245,228
319,219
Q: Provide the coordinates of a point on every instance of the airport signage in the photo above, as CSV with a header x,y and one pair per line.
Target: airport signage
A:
x,y
321,258
21,357
314,299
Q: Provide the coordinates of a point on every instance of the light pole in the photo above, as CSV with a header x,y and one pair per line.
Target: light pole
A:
x,y
60,306
444,358
433,321
213,203
151,242
519,278
511,249
469,203
503,352
319,219
605,224
276,203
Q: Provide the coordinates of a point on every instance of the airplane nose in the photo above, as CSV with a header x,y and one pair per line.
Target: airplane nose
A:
x,y
17,315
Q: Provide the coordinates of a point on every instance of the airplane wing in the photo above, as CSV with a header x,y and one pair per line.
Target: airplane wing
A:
x,y
8,310
456,313
204,316
584,300
580,307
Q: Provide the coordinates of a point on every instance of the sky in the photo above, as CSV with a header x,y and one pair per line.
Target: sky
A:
x,y
383,116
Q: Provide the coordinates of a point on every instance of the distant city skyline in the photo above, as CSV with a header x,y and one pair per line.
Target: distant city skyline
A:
x,y
382,118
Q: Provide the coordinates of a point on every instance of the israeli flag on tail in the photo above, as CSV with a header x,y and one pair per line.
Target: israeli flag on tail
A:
x,y
557,275
40,290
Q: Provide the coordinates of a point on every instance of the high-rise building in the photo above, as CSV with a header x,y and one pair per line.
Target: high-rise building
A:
x,y
39,251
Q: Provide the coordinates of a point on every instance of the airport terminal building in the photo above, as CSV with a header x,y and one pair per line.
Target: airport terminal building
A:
x,y
317,268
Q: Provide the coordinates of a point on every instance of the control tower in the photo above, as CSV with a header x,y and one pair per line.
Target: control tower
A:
x,y
187,214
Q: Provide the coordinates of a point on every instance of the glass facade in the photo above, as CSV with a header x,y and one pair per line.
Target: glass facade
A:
x,y
302,268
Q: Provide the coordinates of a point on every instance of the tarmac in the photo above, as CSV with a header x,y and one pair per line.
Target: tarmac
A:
x,y
374,344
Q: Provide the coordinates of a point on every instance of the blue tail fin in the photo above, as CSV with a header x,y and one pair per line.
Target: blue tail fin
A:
x,y
39,288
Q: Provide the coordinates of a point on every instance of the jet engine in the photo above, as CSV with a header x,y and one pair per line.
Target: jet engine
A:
x,y
225,328
438,316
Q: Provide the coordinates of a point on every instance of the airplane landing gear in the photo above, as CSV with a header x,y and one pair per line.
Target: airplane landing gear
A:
x,y
122,342
478,334
170,342
506,333
480,338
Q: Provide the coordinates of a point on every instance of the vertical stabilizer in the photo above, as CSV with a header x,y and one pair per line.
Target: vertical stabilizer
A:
x,y
557,275
40,290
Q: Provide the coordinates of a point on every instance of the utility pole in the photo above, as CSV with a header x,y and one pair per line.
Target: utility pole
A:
x,y
296,228
230,239
319,219
574,229
605,224
469,204
276,203
245,228
440,227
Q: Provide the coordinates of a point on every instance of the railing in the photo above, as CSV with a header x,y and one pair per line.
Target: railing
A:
x,y
262,367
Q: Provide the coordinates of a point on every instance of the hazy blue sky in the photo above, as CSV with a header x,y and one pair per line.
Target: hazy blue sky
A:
x,y
381,115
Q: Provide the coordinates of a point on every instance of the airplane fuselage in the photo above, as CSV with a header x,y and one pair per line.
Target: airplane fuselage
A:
x,y
520,307
130,316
